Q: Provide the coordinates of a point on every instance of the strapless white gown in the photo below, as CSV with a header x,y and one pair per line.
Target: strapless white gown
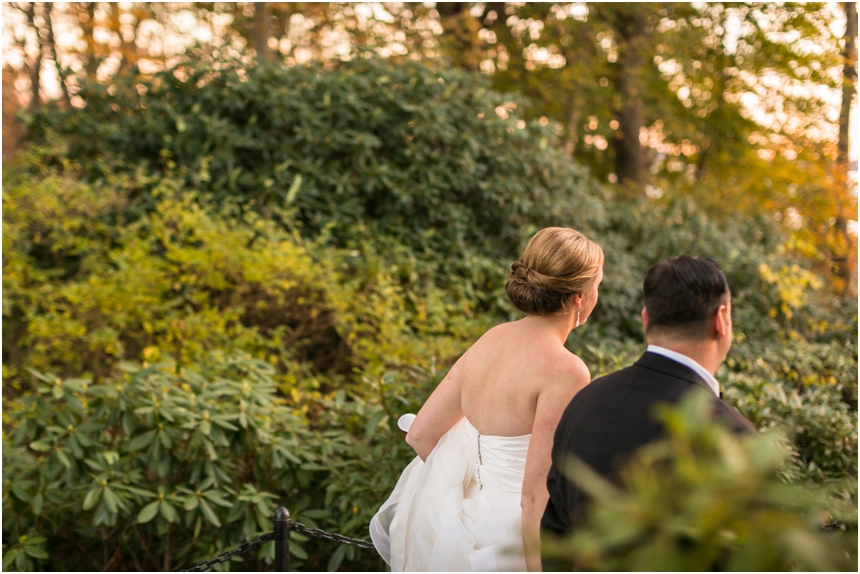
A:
x,y
460,510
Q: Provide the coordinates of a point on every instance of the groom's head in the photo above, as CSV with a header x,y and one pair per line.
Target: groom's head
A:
x,y
687,299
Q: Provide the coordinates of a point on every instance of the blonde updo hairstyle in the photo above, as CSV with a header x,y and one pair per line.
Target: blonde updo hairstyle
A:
x,y
557,263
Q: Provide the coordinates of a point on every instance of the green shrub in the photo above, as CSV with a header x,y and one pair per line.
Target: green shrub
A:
x,y
183,280
412,152
166,466
823,428
152,457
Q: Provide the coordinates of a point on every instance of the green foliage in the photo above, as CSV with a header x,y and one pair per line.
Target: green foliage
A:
x,y
21,554
184,280
703,500
153,454
412,152
822,426
176,465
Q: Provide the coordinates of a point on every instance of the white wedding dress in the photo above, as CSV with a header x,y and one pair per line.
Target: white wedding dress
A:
x,y
459,510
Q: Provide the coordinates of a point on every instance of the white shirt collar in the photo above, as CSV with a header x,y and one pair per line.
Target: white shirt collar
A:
x,y
687,362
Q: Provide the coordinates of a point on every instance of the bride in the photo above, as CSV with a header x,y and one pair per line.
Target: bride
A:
x,y
473,498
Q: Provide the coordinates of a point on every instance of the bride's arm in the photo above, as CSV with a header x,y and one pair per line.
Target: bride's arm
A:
x,y
441,412
551,402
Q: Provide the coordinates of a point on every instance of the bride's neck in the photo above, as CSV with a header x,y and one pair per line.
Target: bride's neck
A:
x,y
557,326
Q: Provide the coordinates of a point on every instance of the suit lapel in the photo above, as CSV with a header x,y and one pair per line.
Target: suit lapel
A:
x,y
667,366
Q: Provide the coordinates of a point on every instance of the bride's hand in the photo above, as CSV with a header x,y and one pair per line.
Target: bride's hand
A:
x,y
405,422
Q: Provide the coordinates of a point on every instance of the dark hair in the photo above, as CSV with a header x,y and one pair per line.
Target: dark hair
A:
x,y
556,263
682,294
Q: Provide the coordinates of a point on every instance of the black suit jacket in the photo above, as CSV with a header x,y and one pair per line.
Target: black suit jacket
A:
x,y
612,417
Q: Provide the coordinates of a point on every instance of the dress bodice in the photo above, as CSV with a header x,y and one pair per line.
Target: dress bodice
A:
x,y
501,460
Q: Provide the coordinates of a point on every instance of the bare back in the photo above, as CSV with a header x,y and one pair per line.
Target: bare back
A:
x,y
515,380
506,370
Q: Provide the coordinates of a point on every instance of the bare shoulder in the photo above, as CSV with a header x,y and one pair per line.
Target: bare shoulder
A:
x,y
567,376
568,371
488,341
501,330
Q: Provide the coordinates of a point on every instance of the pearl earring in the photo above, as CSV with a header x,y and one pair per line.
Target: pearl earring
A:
x,y
577,317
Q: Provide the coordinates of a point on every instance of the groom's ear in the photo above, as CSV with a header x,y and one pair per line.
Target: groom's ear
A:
x,y
719,322
644,316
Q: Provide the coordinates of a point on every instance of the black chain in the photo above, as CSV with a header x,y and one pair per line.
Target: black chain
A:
x,y
225,556
295,527
830,526
317,533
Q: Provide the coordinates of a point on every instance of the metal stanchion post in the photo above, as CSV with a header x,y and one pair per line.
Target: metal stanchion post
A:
x,y
282,540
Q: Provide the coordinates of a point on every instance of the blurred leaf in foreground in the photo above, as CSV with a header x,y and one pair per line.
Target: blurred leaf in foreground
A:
x,y
705,500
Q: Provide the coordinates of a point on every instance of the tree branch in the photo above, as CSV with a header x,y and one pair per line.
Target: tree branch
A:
x,y
53,47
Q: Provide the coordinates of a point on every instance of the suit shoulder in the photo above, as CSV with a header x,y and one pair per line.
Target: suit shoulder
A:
x,y
738,423
602,384
597,390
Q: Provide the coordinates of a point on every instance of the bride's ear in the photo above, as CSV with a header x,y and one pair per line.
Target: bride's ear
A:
x,y
576,300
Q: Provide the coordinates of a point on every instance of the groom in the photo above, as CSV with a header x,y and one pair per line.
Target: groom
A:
x,y
688,327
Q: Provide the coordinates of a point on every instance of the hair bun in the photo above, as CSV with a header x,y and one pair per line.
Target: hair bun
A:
x,y
556,263
527,290
533,277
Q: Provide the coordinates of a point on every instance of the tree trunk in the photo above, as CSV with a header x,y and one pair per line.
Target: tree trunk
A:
x,y
36,68
839,244
128,46
840,258
712,144
459,37
87,26
260,33
53,47
849,79
11,134
577,58
504,37
629,154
